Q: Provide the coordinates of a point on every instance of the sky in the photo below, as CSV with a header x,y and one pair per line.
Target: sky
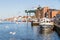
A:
x,y
10,8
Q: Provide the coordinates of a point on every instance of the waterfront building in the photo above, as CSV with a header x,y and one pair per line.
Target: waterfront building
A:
x,y
45,12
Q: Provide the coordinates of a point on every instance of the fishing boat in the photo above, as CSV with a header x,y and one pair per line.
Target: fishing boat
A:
x,y
46,23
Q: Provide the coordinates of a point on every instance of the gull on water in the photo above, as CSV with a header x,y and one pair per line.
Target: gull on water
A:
x,y
13,33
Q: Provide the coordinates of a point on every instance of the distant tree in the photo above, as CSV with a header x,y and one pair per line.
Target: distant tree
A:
x,y
26,11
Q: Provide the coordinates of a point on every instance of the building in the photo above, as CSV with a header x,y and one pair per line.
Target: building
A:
x,y
46,12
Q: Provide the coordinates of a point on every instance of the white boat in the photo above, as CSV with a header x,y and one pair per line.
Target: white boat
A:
x,y
46,24
46,21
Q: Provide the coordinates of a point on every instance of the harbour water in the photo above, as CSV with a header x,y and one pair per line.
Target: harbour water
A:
x,y
24,31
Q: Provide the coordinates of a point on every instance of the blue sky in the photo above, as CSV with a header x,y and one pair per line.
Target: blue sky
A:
x,y
10,8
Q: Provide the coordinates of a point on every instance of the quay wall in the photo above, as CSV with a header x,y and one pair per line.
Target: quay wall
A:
x,y
57,29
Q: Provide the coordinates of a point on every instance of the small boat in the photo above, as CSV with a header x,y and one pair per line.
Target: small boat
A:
x,y
46,23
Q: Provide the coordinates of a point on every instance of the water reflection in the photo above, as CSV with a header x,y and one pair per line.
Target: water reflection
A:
x,y
43,35
24,31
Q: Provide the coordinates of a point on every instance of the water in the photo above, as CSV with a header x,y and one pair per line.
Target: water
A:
x,y
24,31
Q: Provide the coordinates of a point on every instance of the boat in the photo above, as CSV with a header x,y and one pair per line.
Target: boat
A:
x,y
46,24
34,22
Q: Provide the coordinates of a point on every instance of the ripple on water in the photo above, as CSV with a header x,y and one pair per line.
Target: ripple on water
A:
x,y
23,32
6,26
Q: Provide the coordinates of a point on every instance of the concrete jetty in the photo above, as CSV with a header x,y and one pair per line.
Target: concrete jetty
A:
x,y
34,23
57,28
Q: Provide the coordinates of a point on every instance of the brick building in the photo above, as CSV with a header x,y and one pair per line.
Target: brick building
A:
x,y
46,12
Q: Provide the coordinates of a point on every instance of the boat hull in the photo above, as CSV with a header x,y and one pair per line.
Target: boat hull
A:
x,y
46,28
51,23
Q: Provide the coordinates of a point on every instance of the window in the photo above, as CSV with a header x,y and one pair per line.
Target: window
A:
x,y
46,15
